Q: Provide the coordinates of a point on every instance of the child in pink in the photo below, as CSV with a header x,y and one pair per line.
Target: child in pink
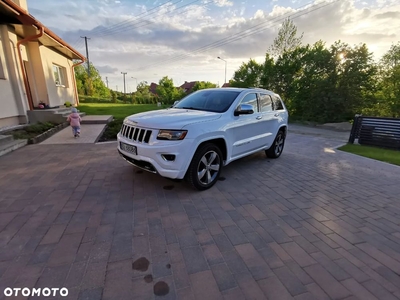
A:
x,y
75,121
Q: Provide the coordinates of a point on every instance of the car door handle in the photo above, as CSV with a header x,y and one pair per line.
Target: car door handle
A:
x,y
259,118
276,115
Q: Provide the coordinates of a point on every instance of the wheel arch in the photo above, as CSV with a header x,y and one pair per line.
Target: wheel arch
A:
x,y
218,141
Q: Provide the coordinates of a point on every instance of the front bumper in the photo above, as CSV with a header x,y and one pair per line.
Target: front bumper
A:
x,y
150,157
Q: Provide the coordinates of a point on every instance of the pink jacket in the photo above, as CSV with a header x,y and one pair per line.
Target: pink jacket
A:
x,y
74,119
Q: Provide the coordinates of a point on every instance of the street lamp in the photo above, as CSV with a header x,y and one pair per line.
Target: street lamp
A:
x,y
225,66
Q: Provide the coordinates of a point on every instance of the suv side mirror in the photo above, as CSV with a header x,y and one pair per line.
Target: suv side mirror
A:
x,y
244,109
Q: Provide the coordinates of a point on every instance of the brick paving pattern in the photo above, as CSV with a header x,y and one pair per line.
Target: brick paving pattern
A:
x,y
314,224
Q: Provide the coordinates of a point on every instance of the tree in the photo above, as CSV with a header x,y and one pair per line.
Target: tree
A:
x,y
390,81
286,40
200,85
143,94
167,92
93,86
248,75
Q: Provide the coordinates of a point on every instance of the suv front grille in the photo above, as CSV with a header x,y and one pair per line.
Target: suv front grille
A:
x,y
136,134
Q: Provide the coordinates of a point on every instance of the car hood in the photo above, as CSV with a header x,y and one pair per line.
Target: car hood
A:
x,y
172,118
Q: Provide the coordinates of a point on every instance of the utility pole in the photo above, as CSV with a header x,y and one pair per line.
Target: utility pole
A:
x,y
87,54
124,73
107,81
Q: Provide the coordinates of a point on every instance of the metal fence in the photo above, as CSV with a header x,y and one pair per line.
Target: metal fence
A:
x,y
376,131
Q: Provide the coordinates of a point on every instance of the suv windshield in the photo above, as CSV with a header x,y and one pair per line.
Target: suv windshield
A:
x,y
208,100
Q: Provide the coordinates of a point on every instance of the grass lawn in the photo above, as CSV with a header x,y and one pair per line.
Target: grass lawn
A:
x,y
118,111
386,155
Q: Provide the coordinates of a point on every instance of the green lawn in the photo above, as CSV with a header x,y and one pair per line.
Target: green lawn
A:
x,y
119,111
386,155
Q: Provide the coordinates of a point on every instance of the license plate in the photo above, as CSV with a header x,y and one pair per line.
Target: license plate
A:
x,y
128,148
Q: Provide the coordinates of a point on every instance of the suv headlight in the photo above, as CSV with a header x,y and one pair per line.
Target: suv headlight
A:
x,y
171,135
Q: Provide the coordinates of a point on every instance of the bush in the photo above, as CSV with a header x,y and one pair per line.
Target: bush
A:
x,y
88,99
112,130
32,131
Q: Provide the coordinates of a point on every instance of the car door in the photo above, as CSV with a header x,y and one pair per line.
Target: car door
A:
x,y
244,130
269,119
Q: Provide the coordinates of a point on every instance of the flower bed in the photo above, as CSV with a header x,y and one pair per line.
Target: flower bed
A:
x,y
37,133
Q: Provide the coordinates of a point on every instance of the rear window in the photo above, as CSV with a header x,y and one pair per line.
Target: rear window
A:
x,y
277,103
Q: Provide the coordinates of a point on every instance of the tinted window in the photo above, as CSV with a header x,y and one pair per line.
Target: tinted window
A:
x,y
208,100
265,102
277,103
251,99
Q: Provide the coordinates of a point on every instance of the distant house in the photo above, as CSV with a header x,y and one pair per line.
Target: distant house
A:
x,y
153,88
188,86
225,85
36,66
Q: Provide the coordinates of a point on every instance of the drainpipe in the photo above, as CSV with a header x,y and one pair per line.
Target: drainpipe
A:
x,y
27,39
74,80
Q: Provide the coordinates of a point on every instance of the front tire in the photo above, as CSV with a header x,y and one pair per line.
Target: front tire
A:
x,y
277,147
205,167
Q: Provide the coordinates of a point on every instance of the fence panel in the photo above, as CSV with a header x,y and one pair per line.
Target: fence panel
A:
x,y
376,131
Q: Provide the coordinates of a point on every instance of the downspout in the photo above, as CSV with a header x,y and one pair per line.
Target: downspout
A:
x,y
27,39
74,80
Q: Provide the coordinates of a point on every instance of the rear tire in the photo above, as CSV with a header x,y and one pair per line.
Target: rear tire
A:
x,y
205,167
277,146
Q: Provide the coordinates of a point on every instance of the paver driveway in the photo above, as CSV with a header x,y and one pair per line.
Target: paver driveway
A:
x,y
314,224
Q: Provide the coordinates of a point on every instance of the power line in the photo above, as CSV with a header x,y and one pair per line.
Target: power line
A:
x,y
150,23
121,22
125,23
237,36
129,25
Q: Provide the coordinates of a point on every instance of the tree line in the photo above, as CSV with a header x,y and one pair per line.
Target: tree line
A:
x,y
318,83
92,88
326,84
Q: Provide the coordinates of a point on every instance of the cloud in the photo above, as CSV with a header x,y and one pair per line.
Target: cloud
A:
x,y
388,15
106,69
222,3
192,37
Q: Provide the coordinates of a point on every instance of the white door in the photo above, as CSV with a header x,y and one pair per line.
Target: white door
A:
x,y
245,130
270,119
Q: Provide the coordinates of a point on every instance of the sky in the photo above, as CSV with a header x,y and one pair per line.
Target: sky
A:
x,y
182,39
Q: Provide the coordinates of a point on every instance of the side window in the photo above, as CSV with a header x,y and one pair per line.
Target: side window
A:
x,y
60,76
2,76
251,99
277,103
265,103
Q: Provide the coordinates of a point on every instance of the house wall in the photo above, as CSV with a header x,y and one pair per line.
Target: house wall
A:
x,y
36,75
21,3
13,100
57,95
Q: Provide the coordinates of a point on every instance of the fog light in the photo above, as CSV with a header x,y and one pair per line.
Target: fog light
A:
x,y
168,157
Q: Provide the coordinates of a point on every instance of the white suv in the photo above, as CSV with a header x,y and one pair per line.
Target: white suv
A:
x,y
204,131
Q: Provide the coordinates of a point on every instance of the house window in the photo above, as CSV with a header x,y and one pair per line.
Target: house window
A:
x,y
2,76
60,76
